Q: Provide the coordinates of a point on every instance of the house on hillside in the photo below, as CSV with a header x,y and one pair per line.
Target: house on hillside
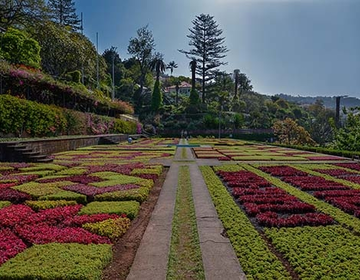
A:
x,y
184,89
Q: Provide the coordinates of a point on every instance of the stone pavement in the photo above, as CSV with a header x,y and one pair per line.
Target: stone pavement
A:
x,y
219,259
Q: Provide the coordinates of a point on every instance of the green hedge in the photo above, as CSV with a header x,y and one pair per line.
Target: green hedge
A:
x,y
54,261
19,116
130,208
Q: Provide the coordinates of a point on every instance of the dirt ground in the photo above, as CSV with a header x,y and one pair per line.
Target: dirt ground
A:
x,y
125,248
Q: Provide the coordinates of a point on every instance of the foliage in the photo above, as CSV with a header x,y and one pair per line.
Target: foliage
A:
x,y
58,261
141,49
205,38
18,48
4,204
41,205
172,65
136,194
338,258
130,208
20,13
36,119
255,258
290,132
112,228
156,98
347,138
63,12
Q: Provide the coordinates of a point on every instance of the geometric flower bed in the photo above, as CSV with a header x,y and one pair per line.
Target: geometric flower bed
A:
x,y
338,194
329,251
271,206
254,152
78,206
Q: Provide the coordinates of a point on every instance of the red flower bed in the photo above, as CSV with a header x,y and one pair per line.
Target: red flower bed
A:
x,y
10,245
118,168
19,179
77,221
271,219
6,185
260,199
339,195
325,158
280,171
82,179
43,233
334,172
14,214
14,196
349,165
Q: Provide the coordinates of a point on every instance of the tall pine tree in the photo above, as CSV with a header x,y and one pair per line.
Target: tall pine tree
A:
x,y
64,13
207,48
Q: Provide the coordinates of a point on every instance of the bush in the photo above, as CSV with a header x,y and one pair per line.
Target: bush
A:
x,y
41,205
130,208
19,115
112,228
58,261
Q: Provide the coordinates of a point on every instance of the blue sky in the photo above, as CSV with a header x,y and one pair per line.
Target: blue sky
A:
x,y
297,47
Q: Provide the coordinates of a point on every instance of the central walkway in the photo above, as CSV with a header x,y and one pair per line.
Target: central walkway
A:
x,y
219,259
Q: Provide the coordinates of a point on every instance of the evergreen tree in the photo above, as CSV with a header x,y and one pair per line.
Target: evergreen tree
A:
x,y
64,13
141,49
207,48
156,98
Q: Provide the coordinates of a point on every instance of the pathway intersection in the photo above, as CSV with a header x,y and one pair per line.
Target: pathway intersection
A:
x,y
218,256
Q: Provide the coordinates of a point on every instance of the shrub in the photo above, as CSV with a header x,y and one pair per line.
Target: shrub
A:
x,y
130,208
58,261
41,205
112,228
139,194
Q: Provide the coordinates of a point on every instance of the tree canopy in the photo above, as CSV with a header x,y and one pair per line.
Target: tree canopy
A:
x,y
206,48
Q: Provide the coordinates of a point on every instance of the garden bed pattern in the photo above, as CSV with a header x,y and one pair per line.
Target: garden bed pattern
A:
x,y
85,198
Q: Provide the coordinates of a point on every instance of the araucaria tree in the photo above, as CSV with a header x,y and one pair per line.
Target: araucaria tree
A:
x,y
207,48
64,13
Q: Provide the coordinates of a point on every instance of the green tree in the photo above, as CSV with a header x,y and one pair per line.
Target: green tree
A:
x,y
348,137
18,47
172,65
158,65
64,51
236,82
141,49
156,98
244,83
64,13
112,58
290,133
21,12
208,50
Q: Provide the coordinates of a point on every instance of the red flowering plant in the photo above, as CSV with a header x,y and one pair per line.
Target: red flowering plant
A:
x,y
10,245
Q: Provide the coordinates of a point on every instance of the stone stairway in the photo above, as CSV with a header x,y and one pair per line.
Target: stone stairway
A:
x,y
19,152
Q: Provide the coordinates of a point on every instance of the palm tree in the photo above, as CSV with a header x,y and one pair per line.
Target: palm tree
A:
x,y
192,65
158,65
236,78
172,65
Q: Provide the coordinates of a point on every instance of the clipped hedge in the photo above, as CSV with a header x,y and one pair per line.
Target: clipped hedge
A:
x,y
139,194
130,208
46,204
53,261
4,204
257,261
21,116
112,228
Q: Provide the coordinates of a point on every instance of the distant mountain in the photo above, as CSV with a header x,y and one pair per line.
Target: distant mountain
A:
x,y
329,102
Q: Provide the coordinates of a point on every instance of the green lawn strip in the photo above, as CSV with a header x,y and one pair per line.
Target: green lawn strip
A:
x,y
185,260
338,215
130,208
52,261
183,153
330,252
256,259
304,168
